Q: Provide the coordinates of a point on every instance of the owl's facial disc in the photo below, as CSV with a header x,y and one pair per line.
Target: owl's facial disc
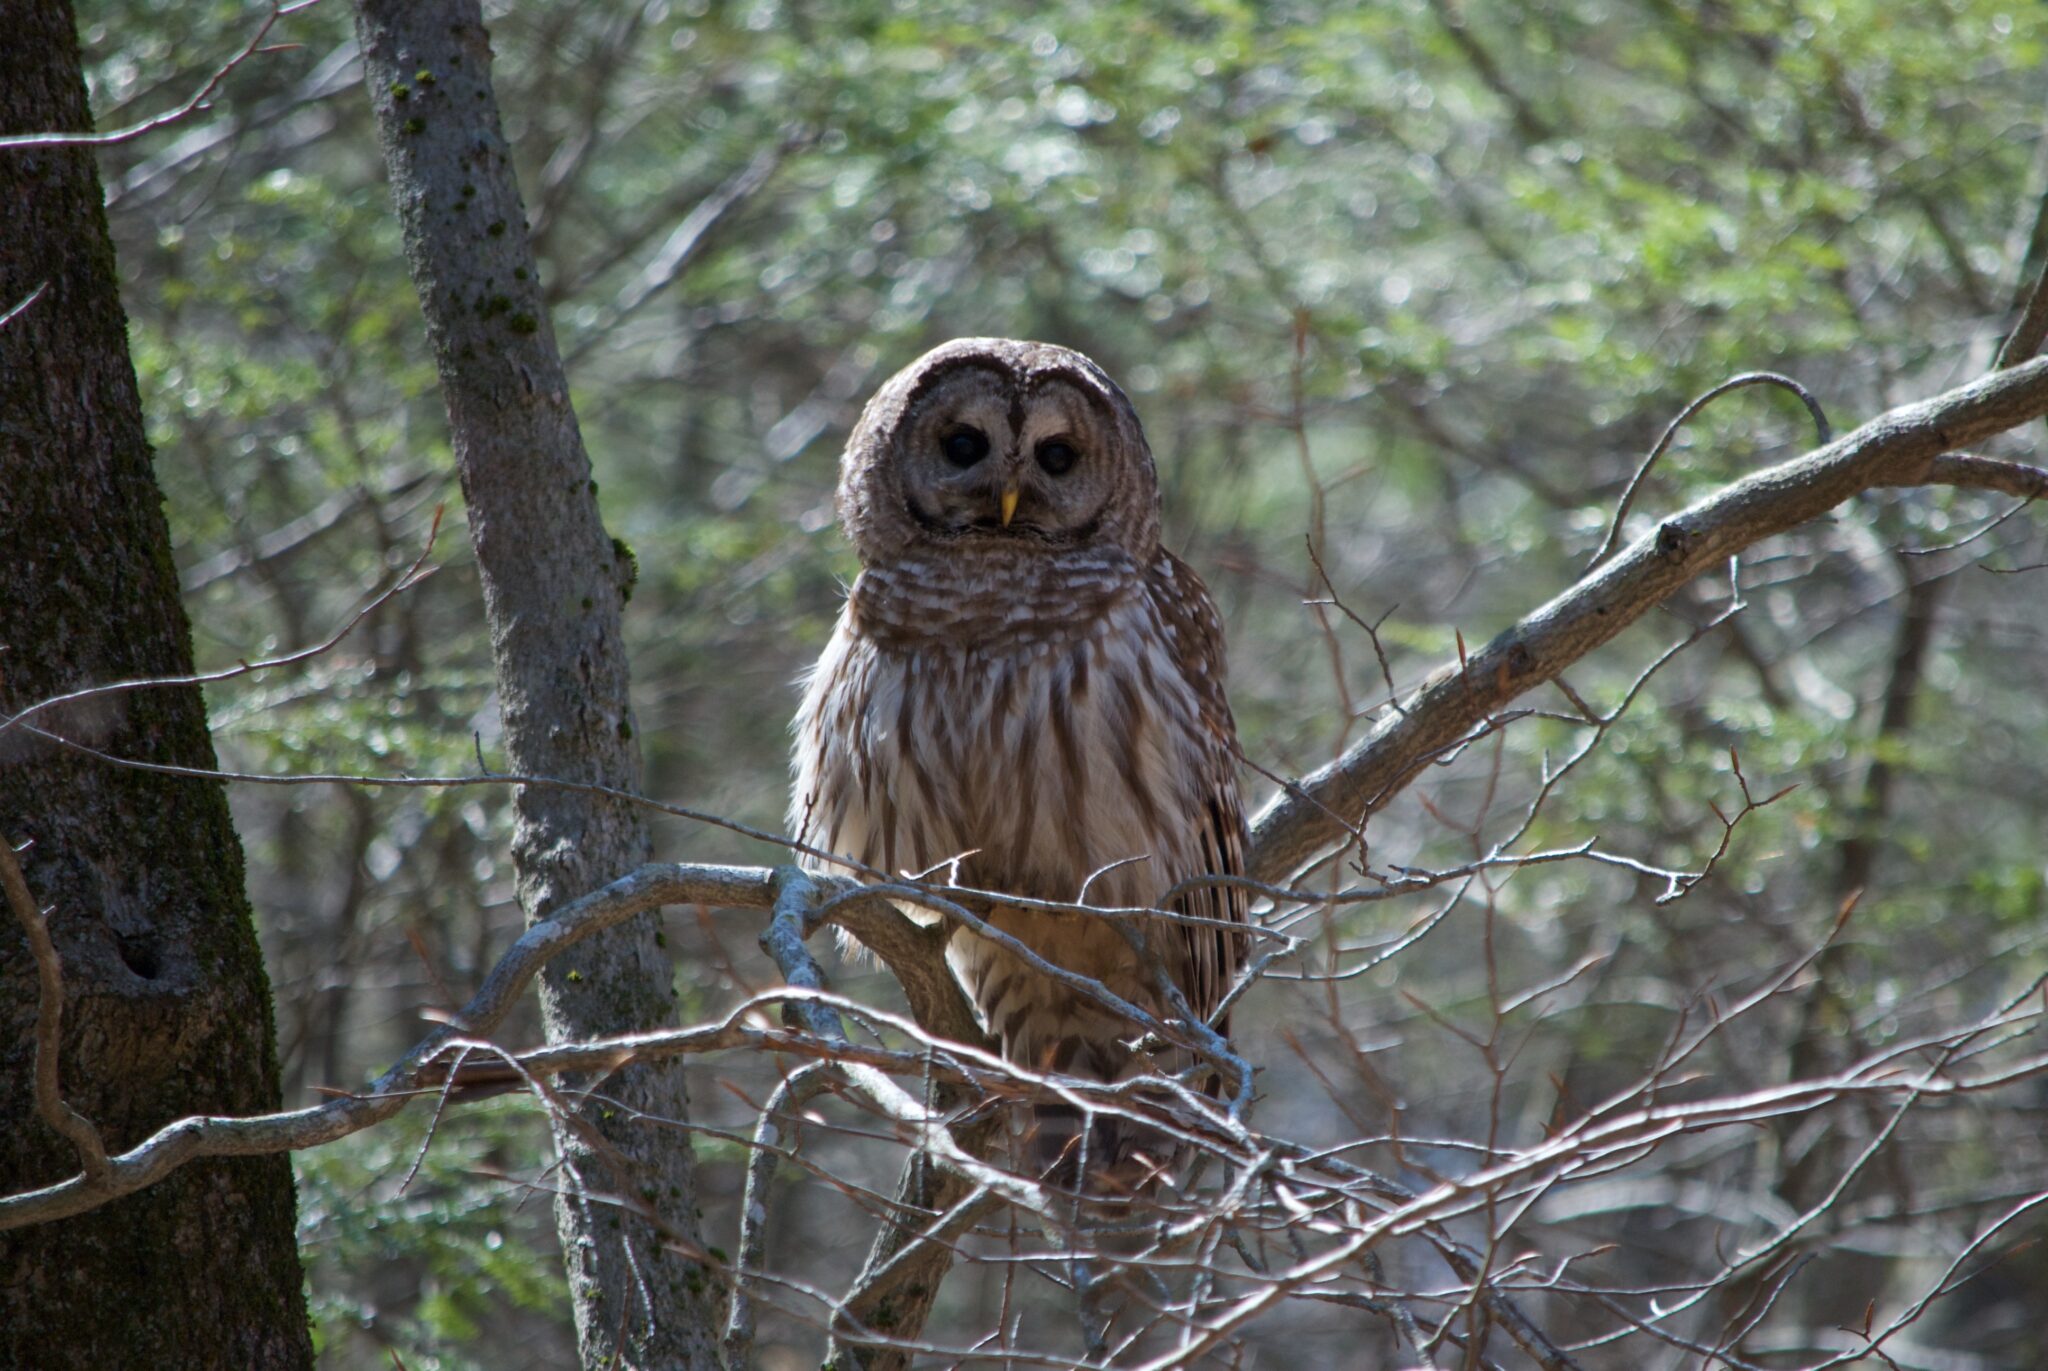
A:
x,y
993,441
987,457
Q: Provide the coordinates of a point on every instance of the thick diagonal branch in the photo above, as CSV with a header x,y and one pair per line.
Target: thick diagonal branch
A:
x,y
1905,447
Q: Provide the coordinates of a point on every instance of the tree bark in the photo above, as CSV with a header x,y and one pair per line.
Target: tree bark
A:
x,y
554,583
166,1009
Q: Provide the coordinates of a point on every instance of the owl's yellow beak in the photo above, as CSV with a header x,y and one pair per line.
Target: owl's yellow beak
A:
x,y
1009,505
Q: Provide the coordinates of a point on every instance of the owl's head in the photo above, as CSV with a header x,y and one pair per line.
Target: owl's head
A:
x,y
994,441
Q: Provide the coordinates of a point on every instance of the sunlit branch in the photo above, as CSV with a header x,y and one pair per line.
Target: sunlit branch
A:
x,y
1908,446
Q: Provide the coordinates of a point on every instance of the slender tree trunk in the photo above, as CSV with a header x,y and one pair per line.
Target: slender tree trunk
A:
x,y
166,1007
554,583
1826,1040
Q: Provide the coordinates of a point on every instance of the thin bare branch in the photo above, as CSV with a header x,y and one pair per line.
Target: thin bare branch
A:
x,y
1686,416
50,1102
2030,332
198,100
20,307
415,573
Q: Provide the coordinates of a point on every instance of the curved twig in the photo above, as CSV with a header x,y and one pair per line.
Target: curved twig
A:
x,y
78,1130
1685,416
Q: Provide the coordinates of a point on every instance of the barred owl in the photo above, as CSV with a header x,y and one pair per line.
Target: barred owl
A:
x,y
1024,679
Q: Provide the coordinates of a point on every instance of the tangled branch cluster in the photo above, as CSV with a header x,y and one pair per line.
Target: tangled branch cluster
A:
x,y
1469,1265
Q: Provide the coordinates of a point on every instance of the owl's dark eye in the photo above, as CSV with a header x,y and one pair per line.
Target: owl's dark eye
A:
x,y
1056,456
964,446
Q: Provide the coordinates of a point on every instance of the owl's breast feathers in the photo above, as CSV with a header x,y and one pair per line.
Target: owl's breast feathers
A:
x,y
1058,724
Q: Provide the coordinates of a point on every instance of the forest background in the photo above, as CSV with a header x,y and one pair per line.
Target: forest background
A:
x,y
1404,293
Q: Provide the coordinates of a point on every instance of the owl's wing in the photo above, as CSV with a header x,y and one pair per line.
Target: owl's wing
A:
x,y
1214,953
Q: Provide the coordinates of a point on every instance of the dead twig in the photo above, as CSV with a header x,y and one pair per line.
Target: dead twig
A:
x,y
1685,416
198,100
50,1103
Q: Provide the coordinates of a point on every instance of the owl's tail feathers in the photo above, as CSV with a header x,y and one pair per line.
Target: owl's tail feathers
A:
x,y
1099,1153
1115,1156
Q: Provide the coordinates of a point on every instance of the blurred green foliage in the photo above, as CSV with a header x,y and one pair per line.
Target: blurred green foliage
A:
x,y
420,1263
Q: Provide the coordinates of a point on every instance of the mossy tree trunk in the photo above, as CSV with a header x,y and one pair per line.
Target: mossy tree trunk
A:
x,y
554,583
166,1007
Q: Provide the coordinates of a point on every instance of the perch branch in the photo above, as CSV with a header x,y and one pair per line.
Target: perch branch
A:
x,y
216,1136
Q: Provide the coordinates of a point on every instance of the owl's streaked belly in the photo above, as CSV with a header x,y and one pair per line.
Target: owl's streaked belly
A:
x,y
1061,766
